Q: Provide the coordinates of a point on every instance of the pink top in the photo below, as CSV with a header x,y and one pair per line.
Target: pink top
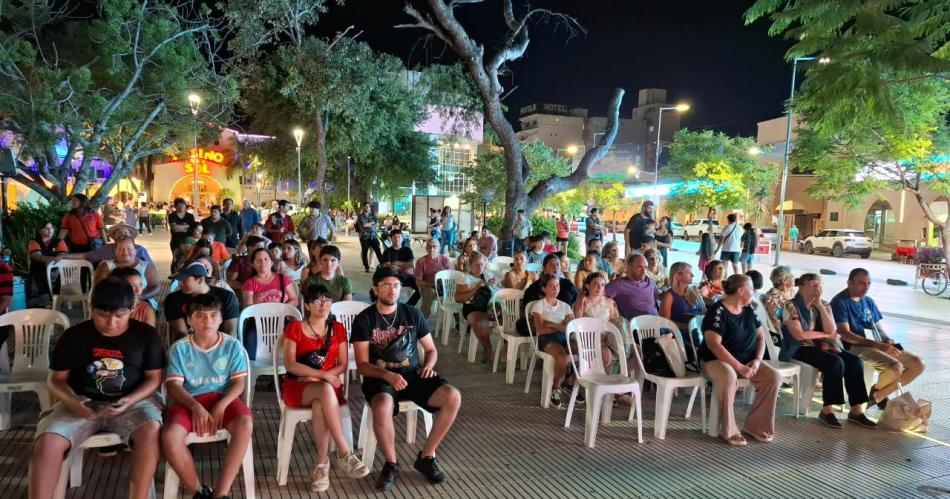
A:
x,y
426,267
270,292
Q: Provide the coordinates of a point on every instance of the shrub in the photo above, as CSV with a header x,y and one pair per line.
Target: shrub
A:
x,y
929,254
543,224
574,248
20,226
494,225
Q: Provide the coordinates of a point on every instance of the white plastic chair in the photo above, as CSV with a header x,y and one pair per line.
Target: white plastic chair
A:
x,y
247,464
712,429
71,288
345,311
71,471
648,326
445,282
33,330
504,260
786,369
507,305
270,320
291,416
589,366
547,360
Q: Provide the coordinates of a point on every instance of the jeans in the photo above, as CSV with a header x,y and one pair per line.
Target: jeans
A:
x,y
365,245
145,223
841,371
664,252
447,240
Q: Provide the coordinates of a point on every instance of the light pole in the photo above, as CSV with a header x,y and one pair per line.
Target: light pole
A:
x,y
298,136
787,152
194,101
659,128
349,166
260,178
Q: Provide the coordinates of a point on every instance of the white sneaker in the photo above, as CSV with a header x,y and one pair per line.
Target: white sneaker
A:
x,y
320,480
351,466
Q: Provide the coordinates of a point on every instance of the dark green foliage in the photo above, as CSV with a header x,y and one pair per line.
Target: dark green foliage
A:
x,y
22,224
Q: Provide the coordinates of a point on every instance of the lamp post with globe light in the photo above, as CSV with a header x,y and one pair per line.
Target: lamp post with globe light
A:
x,y
194,102
659,127
298,137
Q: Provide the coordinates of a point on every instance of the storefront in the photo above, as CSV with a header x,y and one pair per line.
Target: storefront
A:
x,y
215,173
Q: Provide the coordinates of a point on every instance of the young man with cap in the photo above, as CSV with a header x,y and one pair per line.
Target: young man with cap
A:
x,y
635,230
386,338
279,224
193,281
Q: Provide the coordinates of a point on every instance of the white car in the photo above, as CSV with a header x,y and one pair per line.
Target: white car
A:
x,y
839,242
698,226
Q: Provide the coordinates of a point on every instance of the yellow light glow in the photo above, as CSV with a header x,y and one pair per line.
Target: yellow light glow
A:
x,y
298,135
755,151
824,60
572,150
194,99
682,107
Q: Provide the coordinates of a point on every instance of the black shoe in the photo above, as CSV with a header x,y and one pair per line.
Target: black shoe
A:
x,y
387,476
110,451
204,492
830,420
882,404
862,420
429,467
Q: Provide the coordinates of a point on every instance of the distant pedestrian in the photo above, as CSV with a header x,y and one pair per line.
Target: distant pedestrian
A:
x,y
793,237
449,228
635,230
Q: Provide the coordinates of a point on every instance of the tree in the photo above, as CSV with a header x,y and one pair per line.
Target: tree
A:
x,y
108,86
716,170
876,117
490,172
483,67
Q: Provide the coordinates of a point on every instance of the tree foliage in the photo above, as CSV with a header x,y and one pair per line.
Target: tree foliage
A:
x,y
110,85
717,171
490,172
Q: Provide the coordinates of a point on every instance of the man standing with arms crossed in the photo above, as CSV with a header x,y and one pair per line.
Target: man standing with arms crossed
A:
x,y
636,226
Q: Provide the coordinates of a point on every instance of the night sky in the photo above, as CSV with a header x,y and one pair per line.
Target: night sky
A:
x,y
733,75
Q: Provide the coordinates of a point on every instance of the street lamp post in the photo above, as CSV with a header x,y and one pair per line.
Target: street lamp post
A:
x,y
298,136
260,178
349,166
194,101
659,128
787,152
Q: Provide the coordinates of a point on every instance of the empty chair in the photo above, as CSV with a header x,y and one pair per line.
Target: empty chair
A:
x,y
270,320
507,306
72,286
449,310
647,326
345,311
588,363
33,329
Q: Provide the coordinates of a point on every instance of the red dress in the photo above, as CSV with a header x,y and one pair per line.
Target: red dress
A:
x,y
293,388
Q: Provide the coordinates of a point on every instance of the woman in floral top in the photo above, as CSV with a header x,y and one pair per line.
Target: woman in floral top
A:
x,y
783,290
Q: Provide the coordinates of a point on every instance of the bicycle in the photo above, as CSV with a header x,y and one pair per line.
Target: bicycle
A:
x,y
935,283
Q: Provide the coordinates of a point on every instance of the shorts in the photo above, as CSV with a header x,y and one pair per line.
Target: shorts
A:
x,y
293,392
561,239
418,390
180,415
467,309
879,360
77,430
545,339
730,256
746,258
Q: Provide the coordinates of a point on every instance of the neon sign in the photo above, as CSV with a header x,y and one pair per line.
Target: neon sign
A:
x,y
204,159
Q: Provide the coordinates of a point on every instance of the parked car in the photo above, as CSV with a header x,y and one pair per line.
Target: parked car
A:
x,y
839,242
677,230
770,234
700,225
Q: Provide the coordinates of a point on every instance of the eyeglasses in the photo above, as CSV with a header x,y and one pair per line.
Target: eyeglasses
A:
x,y
322,301
390,285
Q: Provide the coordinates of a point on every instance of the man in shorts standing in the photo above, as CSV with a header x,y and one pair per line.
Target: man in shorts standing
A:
x,y
103,374
385,341
731,245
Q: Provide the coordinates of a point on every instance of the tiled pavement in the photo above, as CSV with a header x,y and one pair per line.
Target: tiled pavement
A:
x,y
505,445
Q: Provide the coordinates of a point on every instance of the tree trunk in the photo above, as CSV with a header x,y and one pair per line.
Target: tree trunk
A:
x,y
321,135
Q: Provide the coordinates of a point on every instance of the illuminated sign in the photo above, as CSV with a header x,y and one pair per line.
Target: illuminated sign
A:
x,y
205,158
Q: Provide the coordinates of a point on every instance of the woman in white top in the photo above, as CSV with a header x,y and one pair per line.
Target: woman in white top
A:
x,y
294,261
655,269
475,294
519,277
593,303
550,318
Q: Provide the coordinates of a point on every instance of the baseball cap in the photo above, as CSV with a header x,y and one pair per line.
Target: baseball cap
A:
x,y
384,272
647,203
194,269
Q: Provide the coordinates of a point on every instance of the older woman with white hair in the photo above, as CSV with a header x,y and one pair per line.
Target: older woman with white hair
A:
x,y
783,290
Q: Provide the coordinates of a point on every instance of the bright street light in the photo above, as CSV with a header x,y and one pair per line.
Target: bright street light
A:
x,y
298,136
659,127
572,150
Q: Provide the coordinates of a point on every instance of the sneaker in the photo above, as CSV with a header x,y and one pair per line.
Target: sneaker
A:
x,y
830,420
429,467
862,420
351,466
387,477
320,480
556,399
204,492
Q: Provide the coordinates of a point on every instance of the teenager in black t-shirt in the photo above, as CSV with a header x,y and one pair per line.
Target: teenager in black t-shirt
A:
x,y
385,340
401,258
180,223
193,281
103,374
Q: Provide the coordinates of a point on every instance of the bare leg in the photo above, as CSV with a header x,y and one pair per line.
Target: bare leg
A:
x,y
48,456
448,400
382,407
179,457
321,437
240,430
145,454
323,395
481,328
560,363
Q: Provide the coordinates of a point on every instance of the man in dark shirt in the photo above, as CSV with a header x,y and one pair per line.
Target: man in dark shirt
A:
x,y
217,225
180,223
241,268
279,224
193,281
367,225
401,258
385,341
234,218
103,375
634,231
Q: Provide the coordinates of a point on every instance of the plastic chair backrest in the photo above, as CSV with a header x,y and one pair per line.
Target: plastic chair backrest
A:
x,y
270,320
445,282
696,333
345,311
588,333
504,260
507,306
33,332
650,326
527,315
70,276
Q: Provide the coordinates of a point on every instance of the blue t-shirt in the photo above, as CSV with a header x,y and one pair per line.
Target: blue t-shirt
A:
x,y
206,371
859,315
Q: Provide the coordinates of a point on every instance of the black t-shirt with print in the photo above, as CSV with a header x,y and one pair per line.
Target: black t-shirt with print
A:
x,y
107,368
394,344
176,304
737,332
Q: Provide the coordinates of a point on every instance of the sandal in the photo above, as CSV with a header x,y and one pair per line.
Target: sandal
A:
x,y
736,440
759,438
